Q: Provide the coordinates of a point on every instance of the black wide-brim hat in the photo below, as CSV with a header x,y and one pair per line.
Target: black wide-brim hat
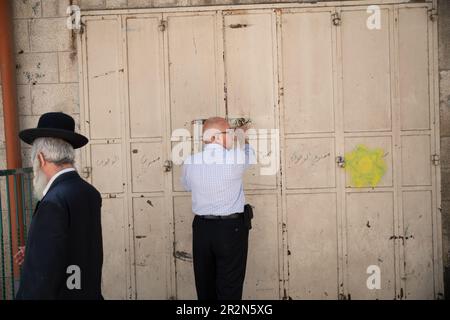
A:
x,y
55,125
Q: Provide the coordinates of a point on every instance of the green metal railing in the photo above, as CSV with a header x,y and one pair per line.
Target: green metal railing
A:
x,y
16,208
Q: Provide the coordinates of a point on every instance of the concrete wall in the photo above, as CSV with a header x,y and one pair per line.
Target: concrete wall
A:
x,y
48,81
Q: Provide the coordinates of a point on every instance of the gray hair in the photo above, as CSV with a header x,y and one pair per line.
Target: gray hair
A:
x,y
54,150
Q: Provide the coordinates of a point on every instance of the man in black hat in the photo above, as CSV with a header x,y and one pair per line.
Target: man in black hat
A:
x,y
64,252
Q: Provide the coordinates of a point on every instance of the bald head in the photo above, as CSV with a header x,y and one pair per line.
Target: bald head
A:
x,y
216,123
213,130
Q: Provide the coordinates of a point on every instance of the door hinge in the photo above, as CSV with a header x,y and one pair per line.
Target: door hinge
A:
x,y
432,14
86,172
79,29
436,159
336,18
162,25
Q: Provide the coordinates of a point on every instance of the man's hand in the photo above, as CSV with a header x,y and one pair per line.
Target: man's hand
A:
x,y
242,132
19,257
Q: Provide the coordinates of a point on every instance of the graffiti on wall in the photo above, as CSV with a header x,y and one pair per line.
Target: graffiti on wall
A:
x,y
365,166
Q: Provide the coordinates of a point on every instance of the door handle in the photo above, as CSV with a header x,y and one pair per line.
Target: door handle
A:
x,y
168,165
340,161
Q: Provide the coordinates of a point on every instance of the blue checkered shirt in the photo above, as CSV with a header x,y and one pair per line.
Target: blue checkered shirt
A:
x,y
215,176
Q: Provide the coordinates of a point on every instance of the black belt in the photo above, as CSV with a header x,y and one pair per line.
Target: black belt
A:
x,y
213,217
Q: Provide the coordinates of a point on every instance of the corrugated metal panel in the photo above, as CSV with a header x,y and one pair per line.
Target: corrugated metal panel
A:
x,y
355,109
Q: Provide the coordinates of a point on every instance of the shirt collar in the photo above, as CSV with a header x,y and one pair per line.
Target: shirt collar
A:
x,y
49,184
213,146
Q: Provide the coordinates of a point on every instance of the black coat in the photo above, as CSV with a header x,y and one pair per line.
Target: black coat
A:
x,y
65,231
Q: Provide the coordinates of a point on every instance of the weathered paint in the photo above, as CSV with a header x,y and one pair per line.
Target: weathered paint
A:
x,y
315,234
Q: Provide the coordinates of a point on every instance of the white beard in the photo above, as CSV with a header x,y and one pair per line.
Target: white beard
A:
x,y
40,180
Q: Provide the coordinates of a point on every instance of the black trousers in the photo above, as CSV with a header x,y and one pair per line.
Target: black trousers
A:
x,y
220,258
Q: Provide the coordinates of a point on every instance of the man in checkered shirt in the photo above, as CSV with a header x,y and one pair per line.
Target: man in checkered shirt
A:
x,y
220,234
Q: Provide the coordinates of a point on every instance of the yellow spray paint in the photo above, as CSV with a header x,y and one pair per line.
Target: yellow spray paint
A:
x,y
365,166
